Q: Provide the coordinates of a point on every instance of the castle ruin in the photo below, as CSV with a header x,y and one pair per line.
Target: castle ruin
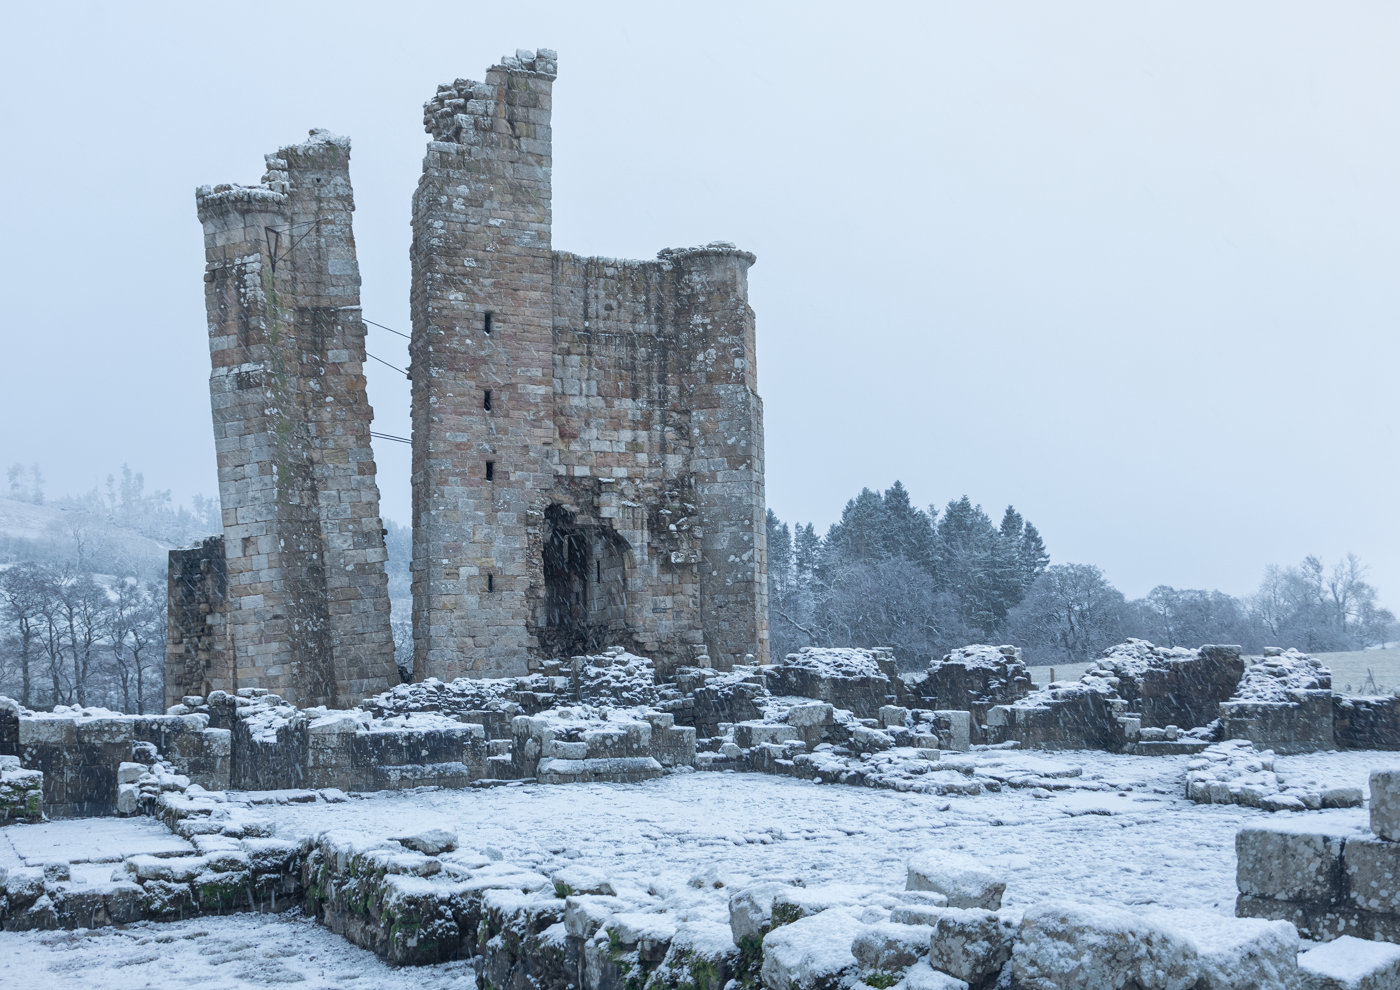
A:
x,y
587,432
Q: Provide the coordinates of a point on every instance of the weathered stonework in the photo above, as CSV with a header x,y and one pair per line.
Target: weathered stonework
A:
x,y
307,607
587,441
196,648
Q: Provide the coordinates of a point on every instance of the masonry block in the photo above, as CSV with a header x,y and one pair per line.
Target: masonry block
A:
x,y
1289,866
1385,803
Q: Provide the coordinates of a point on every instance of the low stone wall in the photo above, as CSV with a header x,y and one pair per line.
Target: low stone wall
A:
x,y
1300,724
21,793
1174,686
1328,884
844,678
1366,723
568,745
1069,717
78,751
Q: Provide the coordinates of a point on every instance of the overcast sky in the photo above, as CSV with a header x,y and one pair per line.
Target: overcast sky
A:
x,y
1130,267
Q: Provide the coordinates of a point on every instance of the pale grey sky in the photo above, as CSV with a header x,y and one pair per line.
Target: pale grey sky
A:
x,y
1131,267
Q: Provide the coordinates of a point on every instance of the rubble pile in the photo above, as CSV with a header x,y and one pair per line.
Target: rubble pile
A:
x,y
1281,672
616,678
1233,772
1284,703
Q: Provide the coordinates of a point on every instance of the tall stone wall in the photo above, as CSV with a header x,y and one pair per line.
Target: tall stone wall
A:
x,y
308,608
588,448
197,658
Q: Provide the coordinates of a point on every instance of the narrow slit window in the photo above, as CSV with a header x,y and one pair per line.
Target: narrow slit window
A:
x,y
487,324
490,582
486,403
598,564
490,470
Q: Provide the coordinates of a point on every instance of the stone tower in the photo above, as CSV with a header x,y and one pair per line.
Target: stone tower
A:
x,y
301,596
587,432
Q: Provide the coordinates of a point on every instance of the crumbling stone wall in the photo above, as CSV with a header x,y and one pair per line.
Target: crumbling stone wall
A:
x,y
197,658
1284,703
1173,686
588,452
80,753
1366,723
307,595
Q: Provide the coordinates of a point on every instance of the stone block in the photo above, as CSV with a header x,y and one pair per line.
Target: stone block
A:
x,y
811,714
812,953
960,879
1319,920
751,911
1287,865
971,944
960,729
1372,869
1385,803
430,842
129,773
585,915
750,734
893,716
1348,963
1342,797
1077,947
1239,953
919,914
887,947
700,956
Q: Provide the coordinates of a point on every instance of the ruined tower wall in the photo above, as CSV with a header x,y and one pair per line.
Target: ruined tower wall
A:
x,y
656,396
481,249
624,502
308,607
197,658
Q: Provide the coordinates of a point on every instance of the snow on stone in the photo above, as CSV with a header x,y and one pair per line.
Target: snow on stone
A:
x,y
1271,678
1349,963
835,661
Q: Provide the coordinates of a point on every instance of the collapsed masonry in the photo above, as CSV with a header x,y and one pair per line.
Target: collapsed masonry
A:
x,y
416,898
587,432
845,716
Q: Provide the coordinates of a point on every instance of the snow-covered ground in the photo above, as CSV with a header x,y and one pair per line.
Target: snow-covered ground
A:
x,y
230,953
1119,832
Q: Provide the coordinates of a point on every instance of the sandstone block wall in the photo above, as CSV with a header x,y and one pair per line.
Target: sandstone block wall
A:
x,y
1328,884
307,603
197,658
588,459
79,757
1303,724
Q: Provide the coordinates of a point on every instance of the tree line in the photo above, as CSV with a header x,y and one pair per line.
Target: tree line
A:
x,y
79,638
83,602
926,581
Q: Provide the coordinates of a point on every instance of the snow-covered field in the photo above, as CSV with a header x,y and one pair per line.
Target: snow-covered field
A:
x,y
1119,832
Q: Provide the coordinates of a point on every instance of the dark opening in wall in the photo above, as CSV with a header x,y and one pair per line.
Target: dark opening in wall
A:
x,y
486,403
490,582
598,570
487,324
490,470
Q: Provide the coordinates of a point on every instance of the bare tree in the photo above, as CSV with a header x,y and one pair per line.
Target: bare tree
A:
x,y
1070,613
21,601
